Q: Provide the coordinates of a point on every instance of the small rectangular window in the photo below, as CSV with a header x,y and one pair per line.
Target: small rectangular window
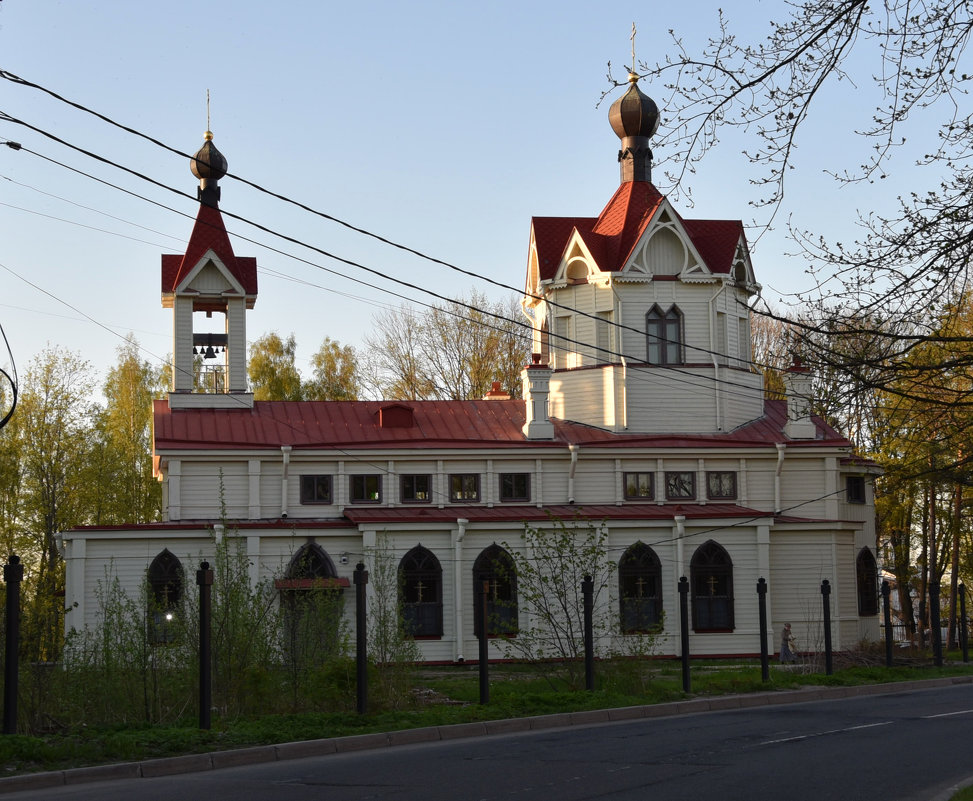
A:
x,y
514,487
365,489
680,485
464,487
315,489
721,484
638,486
855,489
416,489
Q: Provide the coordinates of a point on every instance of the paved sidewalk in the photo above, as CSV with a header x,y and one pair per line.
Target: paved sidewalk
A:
x,y
214,760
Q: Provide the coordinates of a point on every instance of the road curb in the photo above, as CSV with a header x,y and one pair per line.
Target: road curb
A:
x,y
215,760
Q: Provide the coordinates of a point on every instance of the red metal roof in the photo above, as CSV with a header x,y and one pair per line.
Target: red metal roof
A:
x,y
446,424
532,514
209,232
613,235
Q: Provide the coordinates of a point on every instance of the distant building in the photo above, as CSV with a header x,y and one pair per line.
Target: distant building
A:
x,y
641,412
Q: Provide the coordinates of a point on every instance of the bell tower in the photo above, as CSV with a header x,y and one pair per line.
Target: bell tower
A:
x,y
209,368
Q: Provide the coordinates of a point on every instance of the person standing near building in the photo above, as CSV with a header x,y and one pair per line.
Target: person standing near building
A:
x,y
787,644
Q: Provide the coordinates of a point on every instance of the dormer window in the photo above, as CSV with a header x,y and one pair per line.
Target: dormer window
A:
x,y
663,332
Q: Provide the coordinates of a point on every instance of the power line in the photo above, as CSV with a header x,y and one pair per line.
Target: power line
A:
x,y
324,215
690,378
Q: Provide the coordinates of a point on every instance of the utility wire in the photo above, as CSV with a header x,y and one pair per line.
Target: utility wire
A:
x,y
691,378
324,215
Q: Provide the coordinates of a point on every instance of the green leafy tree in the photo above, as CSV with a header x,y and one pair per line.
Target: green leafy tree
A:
x,y
335,375
271,369
52,433
127,489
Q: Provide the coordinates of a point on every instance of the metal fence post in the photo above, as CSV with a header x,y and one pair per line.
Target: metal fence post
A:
x,y
204,579
13,574
887,620
762,607
826,608
588,594
684,631
361,637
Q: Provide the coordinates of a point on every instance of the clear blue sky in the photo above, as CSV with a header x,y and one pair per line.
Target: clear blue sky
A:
x,y
444,126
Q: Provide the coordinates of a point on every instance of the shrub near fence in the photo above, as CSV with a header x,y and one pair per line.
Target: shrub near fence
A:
x,y
126,671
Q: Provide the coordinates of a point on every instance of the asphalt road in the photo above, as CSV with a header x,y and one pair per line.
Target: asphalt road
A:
x,y
907,746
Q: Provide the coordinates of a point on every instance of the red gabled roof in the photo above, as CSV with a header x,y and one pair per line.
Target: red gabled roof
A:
x,y
621,223
716,241
209,233
551,235
436,424
612,236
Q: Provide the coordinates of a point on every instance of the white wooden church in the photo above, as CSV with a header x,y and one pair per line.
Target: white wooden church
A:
x,y
642,413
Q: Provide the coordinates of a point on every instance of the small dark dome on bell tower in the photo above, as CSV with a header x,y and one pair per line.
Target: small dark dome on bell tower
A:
x,y
209,166
634,117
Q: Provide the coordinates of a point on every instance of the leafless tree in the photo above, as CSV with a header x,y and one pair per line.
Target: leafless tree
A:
x,y
907,267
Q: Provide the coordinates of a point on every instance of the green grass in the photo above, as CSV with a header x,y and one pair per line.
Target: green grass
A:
x,y
449,695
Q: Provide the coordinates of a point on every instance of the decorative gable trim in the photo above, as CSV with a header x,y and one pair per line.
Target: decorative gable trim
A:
x,y
665,248
742,268
233,286
577,262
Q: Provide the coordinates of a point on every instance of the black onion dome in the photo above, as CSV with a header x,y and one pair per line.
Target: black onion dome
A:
x,y
208,163
634,113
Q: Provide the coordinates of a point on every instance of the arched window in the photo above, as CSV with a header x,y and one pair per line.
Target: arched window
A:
x,y
311,606
663,333
166,582
866,570
310,562
422,593
640,589
495,567
712,588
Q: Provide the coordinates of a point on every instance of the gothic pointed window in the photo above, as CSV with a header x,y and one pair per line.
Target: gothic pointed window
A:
x,y
494,568
640,589
663,332
866,570
310,562
712,588
421,581
311,605
166,581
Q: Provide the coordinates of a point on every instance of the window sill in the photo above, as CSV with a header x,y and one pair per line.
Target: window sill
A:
x,y
312,583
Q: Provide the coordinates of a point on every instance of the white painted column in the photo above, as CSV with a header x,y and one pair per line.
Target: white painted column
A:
x,y
458,534
763,571
253,467
253,559
175,487
182,344
236,344
75,556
